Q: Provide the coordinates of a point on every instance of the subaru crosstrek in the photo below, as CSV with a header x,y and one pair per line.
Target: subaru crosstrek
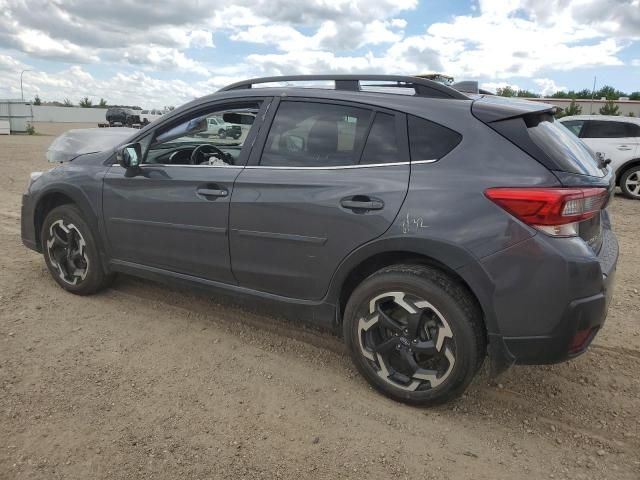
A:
x,y
429,226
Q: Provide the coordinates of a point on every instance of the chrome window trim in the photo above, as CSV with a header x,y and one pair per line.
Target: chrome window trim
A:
x,y
340,167
253,167
190,166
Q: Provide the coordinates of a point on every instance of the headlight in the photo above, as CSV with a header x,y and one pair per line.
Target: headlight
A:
x,y
33,176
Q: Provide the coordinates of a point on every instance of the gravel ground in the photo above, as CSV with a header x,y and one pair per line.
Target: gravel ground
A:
x,y
144,381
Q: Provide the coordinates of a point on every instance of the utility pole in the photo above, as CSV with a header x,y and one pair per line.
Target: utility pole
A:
x,y
21,90
593,92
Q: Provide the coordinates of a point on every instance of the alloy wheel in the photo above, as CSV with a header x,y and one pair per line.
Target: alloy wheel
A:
x,y
407,341
633,183
66,249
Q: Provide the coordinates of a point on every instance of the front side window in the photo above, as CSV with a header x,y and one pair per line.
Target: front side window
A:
x,y
308,134
214,138
605,129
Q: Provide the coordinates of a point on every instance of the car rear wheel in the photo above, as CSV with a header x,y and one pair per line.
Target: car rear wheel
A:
x,y
71,253
415,334
222,133
630,183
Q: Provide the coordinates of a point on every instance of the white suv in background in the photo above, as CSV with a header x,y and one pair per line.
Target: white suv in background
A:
x,y
618,139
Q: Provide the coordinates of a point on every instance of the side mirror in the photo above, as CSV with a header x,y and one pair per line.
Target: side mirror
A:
x,y
130,156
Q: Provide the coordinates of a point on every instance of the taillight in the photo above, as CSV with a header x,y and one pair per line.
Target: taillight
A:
x,y
554,211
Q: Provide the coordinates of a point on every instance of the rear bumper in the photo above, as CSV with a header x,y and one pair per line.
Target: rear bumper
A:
x,y
581,321
574,327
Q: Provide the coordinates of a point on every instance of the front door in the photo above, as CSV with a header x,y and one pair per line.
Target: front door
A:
x,y
172,213
327,178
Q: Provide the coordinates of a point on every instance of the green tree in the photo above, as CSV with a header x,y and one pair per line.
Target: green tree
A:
x,y
631,114
103,103
606,92
68,103
505,91
610,108
527,94
634,96
572,109
37,101
86,103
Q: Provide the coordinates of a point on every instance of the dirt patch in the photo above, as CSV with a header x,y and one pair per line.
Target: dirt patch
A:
x,y
143,381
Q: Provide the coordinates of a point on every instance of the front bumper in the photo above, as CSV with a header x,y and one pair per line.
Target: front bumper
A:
x,y
573,329
27,224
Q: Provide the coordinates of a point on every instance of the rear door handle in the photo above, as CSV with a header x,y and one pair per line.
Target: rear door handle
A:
x,y
212,192
361,202
624,147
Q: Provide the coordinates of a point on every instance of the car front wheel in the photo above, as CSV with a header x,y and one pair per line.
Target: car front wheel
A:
x,y
415,334
71,253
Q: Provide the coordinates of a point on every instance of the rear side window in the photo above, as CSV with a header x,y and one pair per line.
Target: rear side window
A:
x,y
564,148
574,126
633,130
606,129
309,134
382,142
430,141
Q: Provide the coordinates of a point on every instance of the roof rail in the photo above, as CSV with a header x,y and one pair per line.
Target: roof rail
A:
x,y
422,86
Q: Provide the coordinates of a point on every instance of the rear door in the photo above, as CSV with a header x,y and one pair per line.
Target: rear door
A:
x,y
324,179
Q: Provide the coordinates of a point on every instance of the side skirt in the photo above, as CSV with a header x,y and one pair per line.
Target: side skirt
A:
x,y
318,313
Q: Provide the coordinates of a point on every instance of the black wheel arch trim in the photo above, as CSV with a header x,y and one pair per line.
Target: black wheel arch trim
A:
x,y
454,258
89,214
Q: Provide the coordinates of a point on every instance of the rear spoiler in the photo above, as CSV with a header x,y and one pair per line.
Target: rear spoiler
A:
x,y
489,109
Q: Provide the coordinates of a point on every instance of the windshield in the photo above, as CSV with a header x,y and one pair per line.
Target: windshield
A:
x,y
568,151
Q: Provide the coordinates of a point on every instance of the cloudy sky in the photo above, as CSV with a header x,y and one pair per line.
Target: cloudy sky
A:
x,y
167,52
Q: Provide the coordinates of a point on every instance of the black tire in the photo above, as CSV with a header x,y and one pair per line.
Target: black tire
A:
x,y
451,310
66,221
222,133
628,180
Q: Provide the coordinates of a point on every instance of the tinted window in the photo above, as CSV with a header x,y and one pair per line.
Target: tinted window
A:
x,y
605,129
306,134
633,130
430,141
382,142
564,148
574,126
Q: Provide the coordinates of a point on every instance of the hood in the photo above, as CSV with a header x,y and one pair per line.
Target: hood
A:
x,y
74,143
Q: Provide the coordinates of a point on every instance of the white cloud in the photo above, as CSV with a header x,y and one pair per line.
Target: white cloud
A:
x,y
548,86
133,89
497,41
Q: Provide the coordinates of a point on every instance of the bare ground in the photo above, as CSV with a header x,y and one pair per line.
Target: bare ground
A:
x,y
143,381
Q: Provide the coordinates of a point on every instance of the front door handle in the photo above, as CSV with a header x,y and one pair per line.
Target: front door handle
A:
x,y
362,202
212,192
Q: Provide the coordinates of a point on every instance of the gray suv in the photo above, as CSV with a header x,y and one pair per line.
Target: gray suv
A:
x,y
430,227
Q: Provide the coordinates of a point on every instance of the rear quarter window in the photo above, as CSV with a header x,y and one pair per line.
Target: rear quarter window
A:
x,y
430,141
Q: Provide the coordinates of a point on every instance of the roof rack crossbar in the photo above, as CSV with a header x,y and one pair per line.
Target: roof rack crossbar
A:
x,y
422,86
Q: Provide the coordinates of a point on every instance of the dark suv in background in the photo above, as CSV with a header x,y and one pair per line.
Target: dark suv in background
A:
x,y
427,225
122,117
